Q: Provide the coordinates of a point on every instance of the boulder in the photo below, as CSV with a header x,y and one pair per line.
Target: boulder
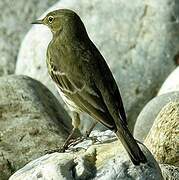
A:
x,y
171,83
57,166
163,138
16,18
106,159
150,112
31,121
136,40
169,172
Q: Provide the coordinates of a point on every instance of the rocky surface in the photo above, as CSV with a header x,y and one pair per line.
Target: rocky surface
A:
x,y
169,172
140,57
171,83
31,121
15,19
149,113
139,42
54,166
93,161
163,138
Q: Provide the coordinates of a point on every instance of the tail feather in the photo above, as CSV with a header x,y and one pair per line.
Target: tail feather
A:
x,y
135,153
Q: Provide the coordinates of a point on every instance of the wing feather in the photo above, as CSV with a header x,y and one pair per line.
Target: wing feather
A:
x,y
100,98
85,98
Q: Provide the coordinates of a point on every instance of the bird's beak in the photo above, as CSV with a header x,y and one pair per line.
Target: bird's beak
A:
x,y
38,22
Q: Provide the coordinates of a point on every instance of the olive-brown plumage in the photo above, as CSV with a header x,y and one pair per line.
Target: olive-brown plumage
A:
x,y
84,79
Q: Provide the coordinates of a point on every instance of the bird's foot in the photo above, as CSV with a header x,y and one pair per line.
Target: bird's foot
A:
x,y
76,141
65,146
86,137
93,138
58,149
72,143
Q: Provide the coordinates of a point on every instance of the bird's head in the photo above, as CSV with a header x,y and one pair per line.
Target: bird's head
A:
x,y
62,20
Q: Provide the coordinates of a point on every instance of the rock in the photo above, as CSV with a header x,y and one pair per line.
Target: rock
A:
x,y
149,113
169,172
56,166
171,83
31,121
85,165
16,17
103,160
163,138
139,57
119,167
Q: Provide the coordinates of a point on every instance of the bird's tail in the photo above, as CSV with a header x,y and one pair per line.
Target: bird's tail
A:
x,y
131,146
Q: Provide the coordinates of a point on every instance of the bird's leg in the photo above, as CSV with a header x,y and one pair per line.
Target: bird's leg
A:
x,y
75,123
86,135
88,132
66,143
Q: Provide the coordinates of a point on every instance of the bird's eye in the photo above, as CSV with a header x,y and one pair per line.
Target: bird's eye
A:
x,y
50,19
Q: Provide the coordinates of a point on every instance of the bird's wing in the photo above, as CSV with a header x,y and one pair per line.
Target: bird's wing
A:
x,y
79,88
84,96
82,87
108,87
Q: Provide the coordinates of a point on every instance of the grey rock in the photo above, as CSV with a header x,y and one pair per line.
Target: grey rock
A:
x,y
56,166
136,40
149,113
95,136
120,167
31,121
171,83
100,161
15,19
163,138
169,172
85,165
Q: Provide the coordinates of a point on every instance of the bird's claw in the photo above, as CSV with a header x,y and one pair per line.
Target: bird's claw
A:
x,y
59,150
72,143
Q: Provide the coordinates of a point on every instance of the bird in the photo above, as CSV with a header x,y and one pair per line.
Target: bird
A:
x,y
84,80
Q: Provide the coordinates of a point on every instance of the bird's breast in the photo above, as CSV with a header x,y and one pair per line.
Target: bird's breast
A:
x,y
71,104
